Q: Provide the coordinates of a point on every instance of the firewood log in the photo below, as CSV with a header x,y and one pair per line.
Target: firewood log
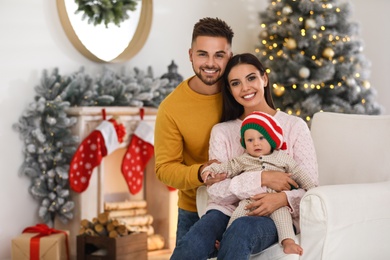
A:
x,y
122,230
147,229
126,212
103,218
101,230
85,223
142,220
113,234
128,204
155,242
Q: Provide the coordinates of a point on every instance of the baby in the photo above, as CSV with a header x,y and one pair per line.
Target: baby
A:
x,y
262,138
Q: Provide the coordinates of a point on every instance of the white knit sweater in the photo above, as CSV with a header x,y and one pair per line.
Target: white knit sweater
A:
x,y
225,145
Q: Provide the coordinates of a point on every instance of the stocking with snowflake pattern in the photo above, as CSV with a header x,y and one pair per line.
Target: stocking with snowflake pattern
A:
x,y
138,154
99,143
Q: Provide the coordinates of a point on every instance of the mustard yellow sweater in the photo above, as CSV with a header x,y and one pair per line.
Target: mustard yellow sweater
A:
x,y
182,133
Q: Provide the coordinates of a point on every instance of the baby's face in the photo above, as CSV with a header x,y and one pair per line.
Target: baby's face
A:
x,y
256,144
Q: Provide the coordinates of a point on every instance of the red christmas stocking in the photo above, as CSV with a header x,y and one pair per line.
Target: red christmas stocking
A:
x,y
101,142
138,154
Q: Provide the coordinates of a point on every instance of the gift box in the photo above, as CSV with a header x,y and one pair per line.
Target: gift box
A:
x,y
131,247
51,247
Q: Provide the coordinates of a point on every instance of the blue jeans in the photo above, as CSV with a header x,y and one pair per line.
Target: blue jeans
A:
x,y
247,235
199,242
185,220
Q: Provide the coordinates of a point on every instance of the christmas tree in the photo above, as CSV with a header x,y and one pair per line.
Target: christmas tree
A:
x,y
314,58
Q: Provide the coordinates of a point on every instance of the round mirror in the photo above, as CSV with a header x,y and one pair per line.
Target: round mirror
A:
x,y
107,44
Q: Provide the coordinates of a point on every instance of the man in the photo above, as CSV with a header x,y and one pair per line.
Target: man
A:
x,y
186,116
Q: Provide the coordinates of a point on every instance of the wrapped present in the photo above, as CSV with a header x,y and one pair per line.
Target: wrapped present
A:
x,y
41,243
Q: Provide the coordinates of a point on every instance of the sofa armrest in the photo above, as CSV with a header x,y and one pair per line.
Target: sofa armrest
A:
x,y
350,221
201,200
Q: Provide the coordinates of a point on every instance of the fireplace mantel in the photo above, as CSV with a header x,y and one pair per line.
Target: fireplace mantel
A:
x,y
107,182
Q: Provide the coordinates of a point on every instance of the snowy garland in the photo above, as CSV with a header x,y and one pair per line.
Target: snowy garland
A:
x,y
105,11
45,126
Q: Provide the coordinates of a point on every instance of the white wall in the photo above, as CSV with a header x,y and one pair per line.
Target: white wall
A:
x,y
32,40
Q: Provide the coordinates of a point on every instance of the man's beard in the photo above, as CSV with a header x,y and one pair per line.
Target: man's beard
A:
x,y
209,81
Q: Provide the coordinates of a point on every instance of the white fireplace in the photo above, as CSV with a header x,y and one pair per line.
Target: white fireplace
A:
x,y
107,183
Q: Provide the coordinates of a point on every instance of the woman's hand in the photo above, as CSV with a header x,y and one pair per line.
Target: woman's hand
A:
x,y
278,181
266,203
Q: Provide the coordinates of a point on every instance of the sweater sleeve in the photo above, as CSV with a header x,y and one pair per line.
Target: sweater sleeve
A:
x,y
169,156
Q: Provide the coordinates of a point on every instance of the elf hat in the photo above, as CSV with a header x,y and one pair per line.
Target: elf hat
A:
x,y
267,126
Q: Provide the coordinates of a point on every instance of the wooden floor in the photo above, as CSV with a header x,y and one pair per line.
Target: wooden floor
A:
x,y
160,255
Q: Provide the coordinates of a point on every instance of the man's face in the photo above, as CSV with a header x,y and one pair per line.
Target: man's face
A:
x,y
209,56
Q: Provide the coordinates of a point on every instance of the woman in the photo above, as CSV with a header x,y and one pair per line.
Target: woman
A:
x,y
247,89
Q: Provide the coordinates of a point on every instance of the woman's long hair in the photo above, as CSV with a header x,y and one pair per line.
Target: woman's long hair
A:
x,y
231,109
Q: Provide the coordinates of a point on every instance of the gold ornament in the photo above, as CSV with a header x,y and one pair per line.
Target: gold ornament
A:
x,y
278,90
291,44
328,53
366,84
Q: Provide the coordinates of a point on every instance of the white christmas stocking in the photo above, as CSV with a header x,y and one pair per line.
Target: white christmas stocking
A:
x,y
138,154
98,144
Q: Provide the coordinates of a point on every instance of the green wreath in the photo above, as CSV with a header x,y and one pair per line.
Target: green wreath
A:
x,y
105,11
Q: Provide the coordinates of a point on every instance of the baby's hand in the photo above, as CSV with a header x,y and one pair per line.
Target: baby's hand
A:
x,y
207,175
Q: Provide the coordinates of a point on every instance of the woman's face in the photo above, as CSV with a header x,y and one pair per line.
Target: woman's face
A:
x,y
247,85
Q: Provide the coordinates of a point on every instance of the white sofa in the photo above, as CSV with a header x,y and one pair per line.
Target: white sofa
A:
x,y
348,215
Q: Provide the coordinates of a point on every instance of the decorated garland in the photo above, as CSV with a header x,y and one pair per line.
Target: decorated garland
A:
x,y
105,11
45,126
